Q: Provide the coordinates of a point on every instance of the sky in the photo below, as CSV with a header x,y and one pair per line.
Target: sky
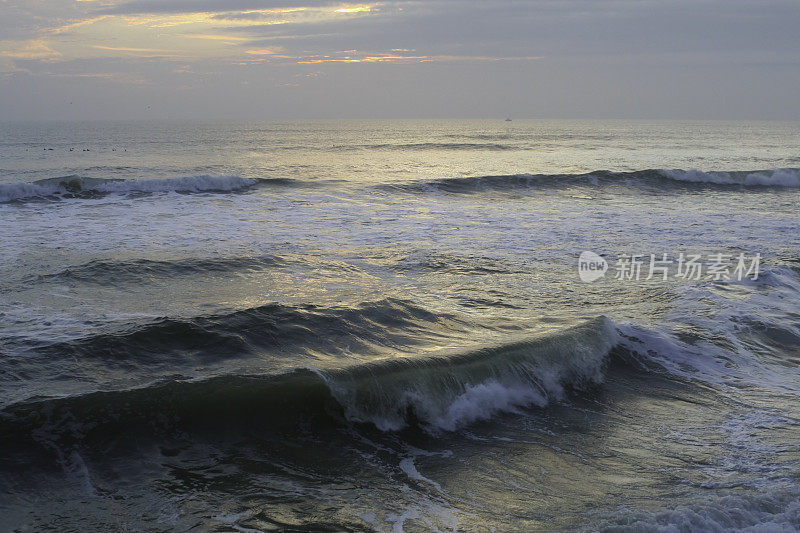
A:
x,y
296,59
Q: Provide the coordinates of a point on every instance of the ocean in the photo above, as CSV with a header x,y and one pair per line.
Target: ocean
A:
x,y
400,326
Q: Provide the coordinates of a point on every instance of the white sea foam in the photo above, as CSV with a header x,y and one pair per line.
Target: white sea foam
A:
x,y
484,400
782,177
776,512
76,185
445,394
410,469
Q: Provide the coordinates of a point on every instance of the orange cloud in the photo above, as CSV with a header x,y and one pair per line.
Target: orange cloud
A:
x,y
362,8
400,58
72,25
212,37
126,49
264,52
365,59
30,49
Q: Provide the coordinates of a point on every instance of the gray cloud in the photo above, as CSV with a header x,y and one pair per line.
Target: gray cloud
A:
x,y
601,58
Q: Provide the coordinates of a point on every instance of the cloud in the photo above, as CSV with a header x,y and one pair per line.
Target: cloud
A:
x,y
475,50
207,6
126,49
70,26
400,56
264,51
212,37
116,77
28,49
364,8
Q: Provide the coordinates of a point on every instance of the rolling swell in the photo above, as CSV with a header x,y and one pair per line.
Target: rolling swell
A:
x,y
436,393
275,328
655,178
444,146
82,187
139,270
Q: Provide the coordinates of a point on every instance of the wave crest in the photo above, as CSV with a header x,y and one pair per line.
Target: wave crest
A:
x,y
448,393
781,177
271,328
437,394
76,186
140,270
654,178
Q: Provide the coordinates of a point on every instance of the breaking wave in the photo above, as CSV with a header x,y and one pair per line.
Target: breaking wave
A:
x,y
657,178
449,392
436,394
781,177
82,187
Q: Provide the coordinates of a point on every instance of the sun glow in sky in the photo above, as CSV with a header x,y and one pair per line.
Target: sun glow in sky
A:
x,y
292,58
185,35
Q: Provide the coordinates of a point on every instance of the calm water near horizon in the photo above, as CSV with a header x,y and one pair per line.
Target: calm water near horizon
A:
x,y
381,326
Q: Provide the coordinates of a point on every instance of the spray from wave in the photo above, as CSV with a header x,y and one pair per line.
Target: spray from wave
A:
x,y
448,393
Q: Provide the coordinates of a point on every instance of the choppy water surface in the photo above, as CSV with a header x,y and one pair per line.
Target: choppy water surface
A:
x,y
380,326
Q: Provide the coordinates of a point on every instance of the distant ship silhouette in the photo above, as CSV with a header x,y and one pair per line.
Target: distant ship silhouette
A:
x,y
508,120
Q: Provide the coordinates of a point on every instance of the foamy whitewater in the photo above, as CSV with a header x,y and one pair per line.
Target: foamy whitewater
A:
x,y
381,326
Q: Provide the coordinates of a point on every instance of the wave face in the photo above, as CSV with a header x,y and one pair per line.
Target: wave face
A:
x,y
436,394
140,270
80,187
446,394
440,146
656,178
269,328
